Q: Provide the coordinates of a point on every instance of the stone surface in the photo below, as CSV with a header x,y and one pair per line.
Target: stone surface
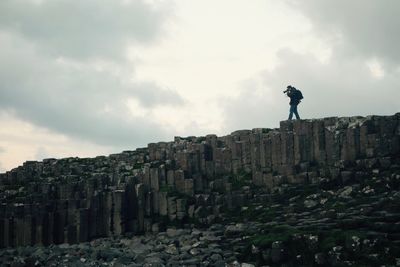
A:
x,y
292,195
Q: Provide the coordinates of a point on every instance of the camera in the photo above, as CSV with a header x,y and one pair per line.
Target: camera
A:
x,y
289,88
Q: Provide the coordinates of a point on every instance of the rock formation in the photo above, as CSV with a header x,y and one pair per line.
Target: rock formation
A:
x,y
300,177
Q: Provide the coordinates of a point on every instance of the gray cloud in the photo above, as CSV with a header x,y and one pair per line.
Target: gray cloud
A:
x,y
2,149
75,97
81,102
340,88
369,28
84,29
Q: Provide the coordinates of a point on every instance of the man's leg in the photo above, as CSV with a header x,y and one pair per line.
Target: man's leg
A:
x,y
291,112
296,113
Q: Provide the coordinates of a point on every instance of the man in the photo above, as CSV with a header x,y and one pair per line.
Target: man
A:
x,y
295,97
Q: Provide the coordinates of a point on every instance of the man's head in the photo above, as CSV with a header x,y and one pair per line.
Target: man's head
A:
x,y
289,88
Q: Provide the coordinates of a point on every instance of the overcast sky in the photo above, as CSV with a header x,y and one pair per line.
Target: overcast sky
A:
x,y
94,77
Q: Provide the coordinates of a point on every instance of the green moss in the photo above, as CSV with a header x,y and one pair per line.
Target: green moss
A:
x,y
137,165
242,178
165,188
253,212
267,215
329,241
338,237
172,192
281,233
200,139
339,206
266,240
283,228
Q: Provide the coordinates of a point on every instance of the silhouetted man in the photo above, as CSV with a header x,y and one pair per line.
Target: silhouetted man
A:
x,y
295,97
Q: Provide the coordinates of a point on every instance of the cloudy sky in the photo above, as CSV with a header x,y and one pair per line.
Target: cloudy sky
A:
x,y
94,77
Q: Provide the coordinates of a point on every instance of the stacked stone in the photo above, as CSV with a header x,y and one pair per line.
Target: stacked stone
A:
x,y
62,207
211,144
74,200
379,136
286,155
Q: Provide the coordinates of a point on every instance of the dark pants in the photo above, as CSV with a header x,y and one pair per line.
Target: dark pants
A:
x,y
293,109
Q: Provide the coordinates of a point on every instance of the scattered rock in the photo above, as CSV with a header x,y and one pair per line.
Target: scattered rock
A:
x,y
346,192
234,230
320,258
310,203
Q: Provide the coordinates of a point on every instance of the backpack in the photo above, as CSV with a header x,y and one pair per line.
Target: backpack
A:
x,y
298,94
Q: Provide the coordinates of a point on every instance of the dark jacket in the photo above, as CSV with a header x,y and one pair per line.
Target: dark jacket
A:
x,y
295,96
